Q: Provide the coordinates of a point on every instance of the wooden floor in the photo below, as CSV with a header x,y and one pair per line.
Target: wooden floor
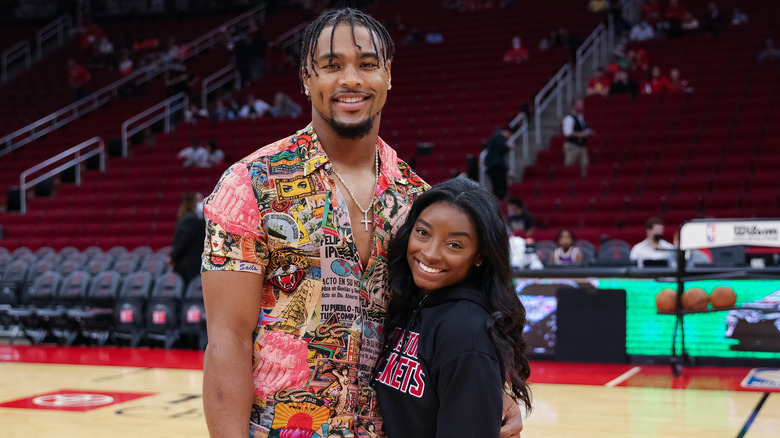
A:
x,y
159,396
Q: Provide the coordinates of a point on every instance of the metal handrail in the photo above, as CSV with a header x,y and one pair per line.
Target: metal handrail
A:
x,y
216,80
78,157
592,49
169,107
522,131
12,54
552,90
60,28
75,110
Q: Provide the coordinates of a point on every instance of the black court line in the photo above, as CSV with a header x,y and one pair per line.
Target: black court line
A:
x,y
753,416
121,375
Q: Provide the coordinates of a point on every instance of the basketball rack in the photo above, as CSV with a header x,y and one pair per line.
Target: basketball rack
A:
x,y
715,233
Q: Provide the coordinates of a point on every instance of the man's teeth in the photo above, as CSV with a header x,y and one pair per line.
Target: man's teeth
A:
x,y
350,99
428,268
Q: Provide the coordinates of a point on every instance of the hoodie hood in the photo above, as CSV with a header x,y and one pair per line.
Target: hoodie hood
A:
x,y
467,291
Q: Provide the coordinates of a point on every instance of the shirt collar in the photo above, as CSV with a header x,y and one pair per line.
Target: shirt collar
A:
x,y
308,148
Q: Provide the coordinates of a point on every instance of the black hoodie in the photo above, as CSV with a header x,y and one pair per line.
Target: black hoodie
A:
x,y
447,382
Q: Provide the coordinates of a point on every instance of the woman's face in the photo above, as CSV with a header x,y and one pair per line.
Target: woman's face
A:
x,y
217,237
443,247
565,240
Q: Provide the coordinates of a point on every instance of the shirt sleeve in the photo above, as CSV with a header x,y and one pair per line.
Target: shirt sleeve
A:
x,y
470,394
568,126
235,240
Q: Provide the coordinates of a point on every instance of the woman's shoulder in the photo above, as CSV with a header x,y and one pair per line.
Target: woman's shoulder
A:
x,y
462,328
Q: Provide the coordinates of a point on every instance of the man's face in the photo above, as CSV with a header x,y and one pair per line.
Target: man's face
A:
x,y
579,106
656,229
350,85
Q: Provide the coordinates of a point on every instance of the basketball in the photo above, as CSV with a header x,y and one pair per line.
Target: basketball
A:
x,y
723,296
694,299
665,300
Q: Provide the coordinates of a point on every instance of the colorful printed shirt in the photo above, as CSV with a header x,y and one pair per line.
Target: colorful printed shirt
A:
x,y
319,332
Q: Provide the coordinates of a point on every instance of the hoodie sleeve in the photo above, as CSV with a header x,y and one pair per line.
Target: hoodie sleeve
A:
x,y
469,388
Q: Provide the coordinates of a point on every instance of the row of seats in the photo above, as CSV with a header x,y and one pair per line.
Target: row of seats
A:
x,y
80,307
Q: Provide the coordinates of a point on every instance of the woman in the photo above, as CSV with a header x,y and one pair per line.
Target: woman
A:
x,y
188,237
566,253
454,326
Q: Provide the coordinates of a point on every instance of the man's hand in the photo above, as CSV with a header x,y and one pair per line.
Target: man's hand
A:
x,y
512,418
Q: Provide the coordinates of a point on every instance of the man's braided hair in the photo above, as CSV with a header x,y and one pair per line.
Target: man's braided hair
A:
x,y
384,48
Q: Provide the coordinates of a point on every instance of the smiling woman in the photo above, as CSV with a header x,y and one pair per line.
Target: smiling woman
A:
x,y
454,325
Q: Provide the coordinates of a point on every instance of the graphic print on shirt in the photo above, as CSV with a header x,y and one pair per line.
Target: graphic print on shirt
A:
x,y
402,370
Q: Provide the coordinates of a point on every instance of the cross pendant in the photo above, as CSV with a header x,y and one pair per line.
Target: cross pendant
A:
x,y
365,220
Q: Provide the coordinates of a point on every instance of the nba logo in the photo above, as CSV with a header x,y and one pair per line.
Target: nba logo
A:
x,y
709,232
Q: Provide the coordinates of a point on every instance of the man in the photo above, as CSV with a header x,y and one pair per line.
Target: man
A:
x,y
496,165
519,221
599,84
654,247
577,134
295,268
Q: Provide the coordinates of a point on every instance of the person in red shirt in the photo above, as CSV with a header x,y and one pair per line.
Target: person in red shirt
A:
x,y
651,12
78,78
599,84
517,53
680,85
658,83
674,17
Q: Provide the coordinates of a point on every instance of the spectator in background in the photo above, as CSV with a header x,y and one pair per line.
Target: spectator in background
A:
x,y
517,53
240,46
577,133
188,237
178,79
284,106
651,12
253,108
642,32
679,84
622,84
125,65
91,36
519,221
522,254
496,164
654,247
739,18
103,55
192,114
674,16
599,84
195,154
658,83
414,38
222,111
78,79
216,156
769,52
434,37
566,253
712,22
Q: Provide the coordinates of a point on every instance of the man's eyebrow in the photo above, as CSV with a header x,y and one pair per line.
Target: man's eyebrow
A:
x,y
333,55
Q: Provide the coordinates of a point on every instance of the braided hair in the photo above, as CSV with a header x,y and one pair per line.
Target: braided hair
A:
x,y
380,37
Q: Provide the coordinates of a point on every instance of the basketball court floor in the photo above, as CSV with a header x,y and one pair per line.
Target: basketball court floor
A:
x,y
83,392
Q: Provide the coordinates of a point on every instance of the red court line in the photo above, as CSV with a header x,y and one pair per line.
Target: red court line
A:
x,y
109,356
576,373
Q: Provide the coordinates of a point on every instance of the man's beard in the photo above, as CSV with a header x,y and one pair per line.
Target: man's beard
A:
x,y
352,132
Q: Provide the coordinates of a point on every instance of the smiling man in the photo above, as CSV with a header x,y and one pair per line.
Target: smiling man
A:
x,y
296,304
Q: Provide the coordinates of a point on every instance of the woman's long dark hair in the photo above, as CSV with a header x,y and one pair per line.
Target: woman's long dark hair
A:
x,y
494,275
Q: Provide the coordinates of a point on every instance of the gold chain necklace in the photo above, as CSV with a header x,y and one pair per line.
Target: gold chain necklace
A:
x,y
365,220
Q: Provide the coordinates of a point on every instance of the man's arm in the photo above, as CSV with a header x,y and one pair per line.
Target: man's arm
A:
x,y
232,307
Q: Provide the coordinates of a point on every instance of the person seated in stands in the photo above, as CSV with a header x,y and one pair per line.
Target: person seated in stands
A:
x,y
434,37
215,155
622,84
125,65
642,32
599,84
689,23
739,18
517,53
91,36
284,106
519,221
522,254
654,247
651,12
769,52
712,22
566,254
192,114
680,85
253,108
178,79
673,18
103,55
186,154
658,83
78,79
222,111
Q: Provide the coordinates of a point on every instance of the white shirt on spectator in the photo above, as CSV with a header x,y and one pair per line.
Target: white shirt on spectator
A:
x,y
200,157
642,32
518,258
643,251
216,157
568,124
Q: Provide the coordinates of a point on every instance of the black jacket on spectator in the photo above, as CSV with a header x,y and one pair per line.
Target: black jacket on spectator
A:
x,y
188,238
